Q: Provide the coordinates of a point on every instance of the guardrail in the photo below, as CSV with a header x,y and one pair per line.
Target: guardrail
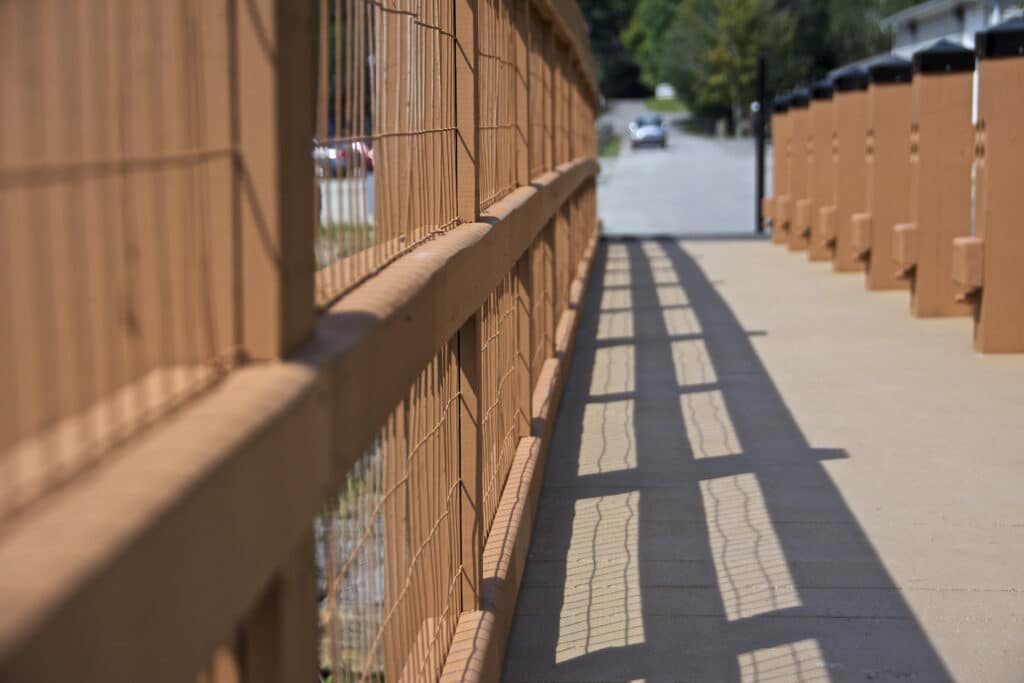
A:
x,y
914,199
237,448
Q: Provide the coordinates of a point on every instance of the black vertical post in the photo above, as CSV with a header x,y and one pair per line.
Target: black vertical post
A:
x,y
759,121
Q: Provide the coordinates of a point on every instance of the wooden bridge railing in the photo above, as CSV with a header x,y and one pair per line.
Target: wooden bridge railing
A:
x,y
258,427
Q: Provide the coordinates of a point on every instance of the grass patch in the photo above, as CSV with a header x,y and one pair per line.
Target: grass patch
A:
x,y
612,146
665,106
340,240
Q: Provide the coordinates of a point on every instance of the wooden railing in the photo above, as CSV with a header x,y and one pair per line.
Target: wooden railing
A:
x,y
234,448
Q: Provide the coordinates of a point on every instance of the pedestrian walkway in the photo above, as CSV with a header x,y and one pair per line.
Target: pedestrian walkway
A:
x,y
762,472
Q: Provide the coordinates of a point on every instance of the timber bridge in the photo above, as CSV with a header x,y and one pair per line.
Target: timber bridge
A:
x,y
319,363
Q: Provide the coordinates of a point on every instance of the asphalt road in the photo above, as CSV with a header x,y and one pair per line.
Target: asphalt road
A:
x,y
699,185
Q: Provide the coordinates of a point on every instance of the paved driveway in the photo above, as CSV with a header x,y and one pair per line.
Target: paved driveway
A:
x,y
699,185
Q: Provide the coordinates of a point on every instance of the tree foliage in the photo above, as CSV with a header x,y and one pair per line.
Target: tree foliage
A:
x,y
708,49
618,70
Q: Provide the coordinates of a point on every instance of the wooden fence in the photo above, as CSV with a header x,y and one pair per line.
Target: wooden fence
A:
x,y
904,189
288,294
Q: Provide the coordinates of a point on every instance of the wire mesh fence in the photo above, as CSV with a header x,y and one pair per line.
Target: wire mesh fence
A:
x,y
384,155
542,276
388,542
131,207
499,397
499,146
540,96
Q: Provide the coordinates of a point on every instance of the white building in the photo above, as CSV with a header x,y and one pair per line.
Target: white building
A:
x,y
956,20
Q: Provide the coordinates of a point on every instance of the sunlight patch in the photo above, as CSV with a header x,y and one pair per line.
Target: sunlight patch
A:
x,y
753,577
671,295
665,276
615,450
708,427
801,661
692,363
617,277
680,320
617,325
601,604
613,370
616,299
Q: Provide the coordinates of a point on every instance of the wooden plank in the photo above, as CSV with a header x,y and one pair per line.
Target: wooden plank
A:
x,y
170,542
274,129
279,639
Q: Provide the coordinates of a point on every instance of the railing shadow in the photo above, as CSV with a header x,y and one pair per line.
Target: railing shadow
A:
x,y
687,530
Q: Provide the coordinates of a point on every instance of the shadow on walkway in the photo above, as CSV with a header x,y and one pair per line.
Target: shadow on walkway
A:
x,y
687,531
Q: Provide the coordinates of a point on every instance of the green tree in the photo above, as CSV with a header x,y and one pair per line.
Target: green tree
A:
x,y
710,50
617,70
644,33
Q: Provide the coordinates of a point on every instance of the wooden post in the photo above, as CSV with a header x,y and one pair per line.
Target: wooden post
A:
x,y
279,639
467,110
941,159
780,170
987,266
822,167
851,125
470,452
274,119
799,186
888,172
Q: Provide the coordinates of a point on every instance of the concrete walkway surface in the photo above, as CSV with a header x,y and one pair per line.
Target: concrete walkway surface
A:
x,y
762,472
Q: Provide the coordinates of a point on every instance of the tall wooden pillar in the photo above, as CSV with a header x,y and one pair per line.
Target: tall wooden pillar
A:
x,y
799,178
822,167
941,155
989,266
888,172
779,209
851,125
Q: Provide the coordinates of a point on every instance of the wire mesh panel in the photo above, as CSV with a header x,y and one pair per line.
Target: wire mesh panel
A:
x,y
542,276
499,397
384,158
563,103
497,91
563,276
584,132
540,112
116,284
584,219
388,542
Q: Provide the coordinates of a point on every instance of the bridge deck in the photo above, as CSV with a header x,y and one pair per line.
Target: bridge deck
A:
x,y
763,473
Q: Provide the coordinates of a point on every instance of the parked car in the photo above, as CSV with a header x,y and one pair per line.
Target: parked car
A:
x,y
336,159
648,129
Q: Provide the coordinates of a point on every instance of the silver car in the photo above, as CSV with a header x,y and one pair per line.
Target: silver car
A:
x,y
648,129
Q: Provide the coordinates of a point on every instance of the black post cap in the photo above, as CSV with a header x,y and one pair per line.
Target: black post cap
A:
x,y
822,90
781,104
1002,40
943,56
891,69
851,78
800,98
